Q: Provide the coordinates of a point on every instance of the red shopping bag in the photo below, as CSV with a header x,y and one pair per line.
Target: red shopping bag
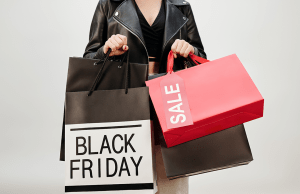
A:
x,y
204,99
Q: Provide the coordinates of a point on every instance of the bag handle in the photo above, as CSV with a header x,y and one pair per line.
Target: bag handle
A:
x,y
193,58
99,75
197,60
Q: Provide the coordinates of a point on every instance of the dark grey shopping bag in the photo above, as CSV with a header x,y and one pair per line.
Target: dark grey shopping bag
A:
x,y
108,139
82,73
221,150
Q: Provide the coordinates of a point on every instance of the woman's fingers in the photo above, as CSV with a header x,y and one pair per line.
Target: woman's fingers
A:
x,y
182,47
111,45
105,48
123,38
179,46
189,50
125,47
117,43
108,45
119,40
174,46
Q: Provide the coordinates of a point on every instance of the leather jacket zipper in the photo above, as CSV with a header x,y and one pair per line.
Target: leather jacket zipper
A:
x,y
133,34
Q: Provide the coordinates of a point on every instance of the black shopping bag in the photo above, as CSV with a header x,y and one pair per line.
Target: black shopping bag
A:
x,y
108,139
82,73
221,150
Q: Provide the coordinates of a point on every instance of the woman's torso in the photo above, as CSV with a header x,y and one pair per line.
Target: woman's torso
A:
x,y
152,21
121,18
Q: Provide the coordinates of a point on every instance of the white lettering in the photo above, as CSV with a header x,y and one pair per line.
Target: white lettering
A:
x,y
172,91
177,119
176,108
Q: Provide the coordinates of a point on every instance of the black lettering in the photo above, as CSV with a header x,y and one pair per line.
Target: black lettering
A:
x,y
105,140
90,147
136,165
127,143
124,169
99,167
80,145
113,144
72,168
107,167
87,168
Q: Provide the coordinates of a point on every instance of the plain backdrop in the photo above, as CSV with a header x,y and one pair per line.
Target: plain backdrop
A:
x,y
37,37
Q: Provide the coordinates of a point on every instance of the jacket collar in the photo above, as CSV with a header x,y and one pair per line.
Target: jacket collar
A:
x,y
179,2
175,2
126,14
175,19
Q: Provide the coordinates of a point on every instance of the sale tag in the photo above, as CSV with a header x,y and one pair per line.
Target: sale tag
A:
x,y
176,105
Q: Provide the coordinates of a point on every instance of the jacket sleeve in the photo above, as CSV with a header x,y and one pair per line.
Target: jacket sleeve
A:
x,y
98,34
193,36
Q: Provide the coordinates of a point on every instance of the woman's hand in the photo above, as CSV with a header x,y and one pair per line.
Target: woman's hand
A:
x,y
117,43
182,48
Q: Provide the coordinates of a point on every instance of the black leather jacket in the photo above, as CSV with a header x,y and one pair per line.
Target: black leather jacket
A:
x,y
120,17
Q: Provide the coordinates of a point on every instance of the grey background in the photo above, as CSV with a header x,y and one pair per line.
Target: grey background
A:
x,y
38,36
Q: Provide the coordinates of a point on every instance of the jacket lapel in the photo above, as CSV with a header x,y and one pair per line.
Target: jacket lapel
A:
x,y
175,20
126,14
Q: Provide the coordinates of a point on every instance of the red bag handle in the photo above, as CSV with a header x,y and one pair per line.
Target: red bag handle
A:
x,y
197,60
170,62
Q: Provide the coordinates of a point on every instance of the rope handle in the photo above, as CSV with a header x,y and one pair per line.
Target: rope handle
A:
x,y
99,75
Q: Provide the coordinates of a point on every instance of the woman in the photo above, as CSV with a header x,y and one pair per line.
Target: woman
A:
x,y
150,28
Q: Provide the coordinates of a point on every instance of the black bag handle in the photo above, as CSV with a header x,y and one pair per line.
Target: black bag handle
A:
x,y
99,75
107,56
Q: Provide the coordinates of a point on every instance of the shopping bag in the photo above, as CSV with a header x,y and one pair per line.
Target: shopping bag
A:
x,y
204,99
108,144
82,72
224,149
